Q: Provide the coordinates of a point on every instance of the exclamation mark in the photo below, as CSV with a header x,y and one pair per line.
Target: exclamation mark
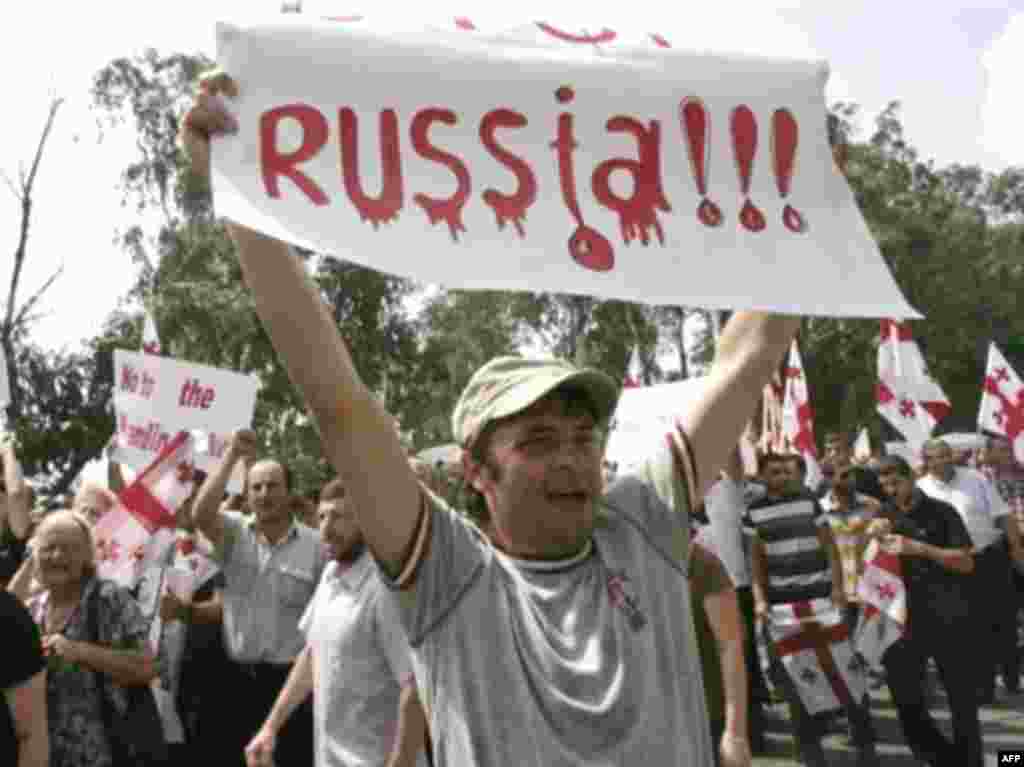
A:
x,y
785,135
744,144
696,125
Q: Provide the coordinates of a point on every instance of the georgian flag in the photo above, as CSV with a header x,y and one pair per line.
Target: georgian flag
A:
x,y
150,337
1002,402
771,413
813,643
634,371
908,397
138,532
883,595
798,417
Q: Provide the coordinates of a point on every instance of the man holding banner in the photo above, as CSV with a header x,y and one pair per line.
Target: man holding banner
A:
x,y
533,432
568,638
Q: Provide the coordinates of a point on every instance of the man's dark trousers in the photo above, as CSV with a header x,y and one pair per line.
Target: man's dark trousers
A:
x,y
905,664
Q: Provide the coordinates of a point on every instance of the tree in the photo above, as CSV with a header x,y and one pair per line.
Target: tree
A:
x,y
191,282
18,316
951,237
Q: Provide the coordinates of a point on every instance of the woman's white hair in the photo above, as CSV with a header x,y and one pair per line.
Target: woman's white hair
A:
x,y
69,516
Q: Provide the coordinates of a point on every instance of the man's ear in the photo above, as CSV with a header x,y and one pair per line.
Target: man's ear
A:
x,y
476,474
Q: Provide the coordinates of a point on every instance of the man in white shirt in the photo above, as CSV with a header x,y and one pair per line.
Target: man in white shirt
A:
x,y
986,517
356,662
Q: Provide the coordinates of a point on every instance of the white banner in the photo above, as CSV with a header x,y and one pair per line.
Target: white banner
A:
x,y
156,397
645,414
536,158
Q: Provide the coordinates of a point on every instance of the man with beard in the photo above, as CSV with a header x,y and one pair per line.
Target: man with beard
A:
x,y
567,637
271,566
936,560
839,452
848,514
356,661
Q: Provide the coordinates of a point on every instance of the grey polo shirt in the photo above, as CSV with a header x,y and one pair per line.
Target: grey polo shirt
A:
x,y
267,589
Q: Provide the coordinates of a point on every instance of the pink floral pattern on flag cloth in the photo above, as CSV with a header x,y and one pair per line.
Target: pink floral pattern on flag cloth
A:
x,y
136,534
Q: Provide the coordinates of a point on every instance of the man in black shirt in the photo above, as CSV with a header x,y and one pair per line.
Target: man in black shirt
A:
x,y
936,558
24,735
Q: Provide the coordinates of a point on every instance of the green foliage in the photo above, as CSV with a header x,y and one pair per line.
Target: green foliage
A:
x,y
952,236
953,239
65,417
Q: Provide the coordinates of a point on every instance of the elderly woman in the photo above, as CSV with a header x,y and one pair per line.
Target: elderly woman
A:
x,y
94,637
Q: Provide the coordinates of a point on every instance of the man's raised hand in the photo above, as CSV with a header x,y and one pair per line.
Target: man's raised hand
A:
x,y
207,116
244,445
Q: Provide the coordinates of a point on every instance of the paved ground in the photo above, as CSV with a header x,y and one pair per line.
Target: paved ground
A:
x,y
1002,727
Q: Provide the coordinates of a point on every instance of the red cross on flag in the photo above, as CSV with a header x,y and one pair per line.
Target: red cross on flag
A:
x,y
883,595
126,535
798,417
634,371
150,337
813,643
1002,402
908,397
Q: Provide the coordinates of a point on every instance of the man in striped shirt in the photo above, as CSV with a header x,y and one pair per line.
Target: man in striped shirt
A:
x,y
795,560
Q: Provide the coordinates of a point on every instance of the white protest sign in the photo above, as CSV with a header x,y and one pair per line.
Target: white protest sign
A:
x,y
156,397
536,158
644,416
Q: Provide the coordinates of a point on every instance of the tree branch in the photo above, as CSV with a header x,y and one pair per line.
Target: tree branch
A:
x,y
27,182
10,185
34,298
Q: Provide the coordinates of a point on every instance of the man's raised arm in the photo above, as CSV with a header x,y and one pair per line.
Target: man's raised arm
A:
x,y
206,505
749,350
18,493
357,433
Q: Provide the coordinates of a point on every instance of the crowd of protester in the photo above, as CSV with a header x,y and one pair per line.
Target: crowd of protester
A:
x,y
281,596
528,604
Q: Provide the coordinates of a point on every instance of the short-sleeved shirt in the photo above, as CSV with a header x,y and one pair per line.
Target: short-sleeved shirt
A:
x,y
360,663
73,693
937,598
586,661
797,564
267,588
22,660
975,499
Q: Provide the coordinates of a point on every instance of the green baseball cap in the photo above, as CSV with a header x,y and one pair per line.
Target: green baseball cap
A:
x,y
508,385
